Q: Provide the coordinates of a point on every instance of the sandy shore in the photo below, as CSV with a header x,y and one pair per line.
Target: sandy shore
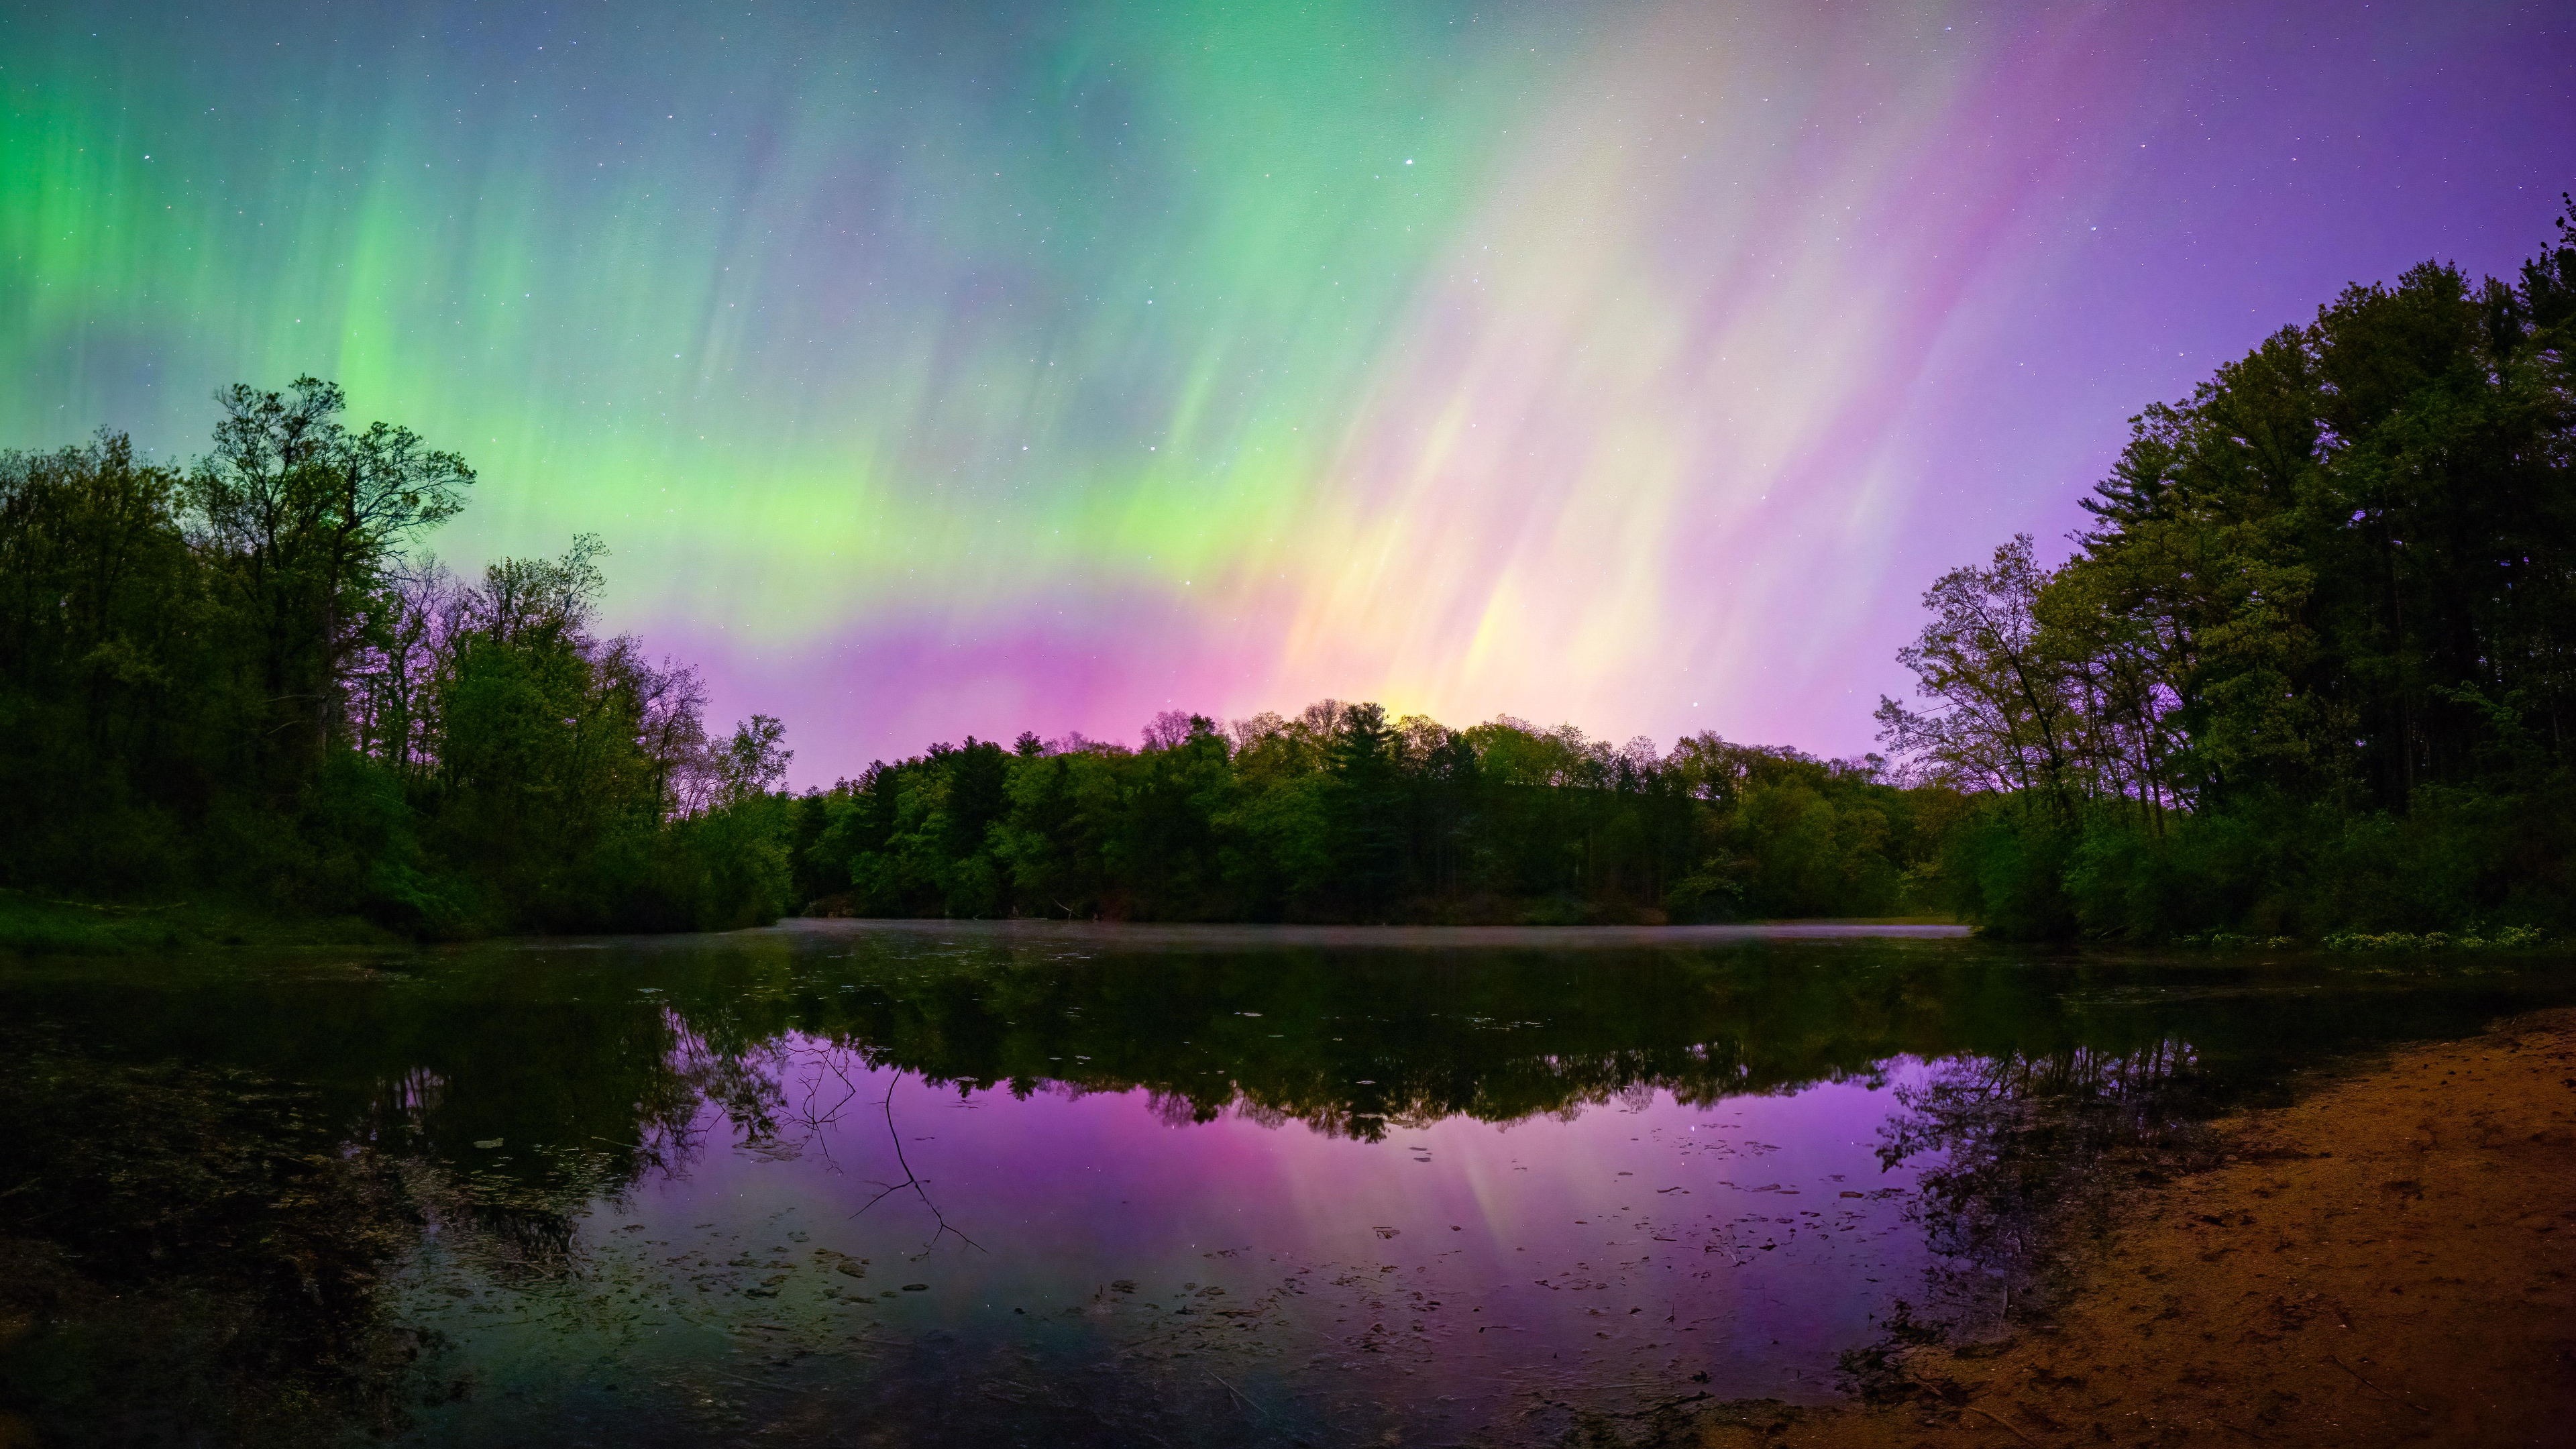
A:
x,y
2392,1261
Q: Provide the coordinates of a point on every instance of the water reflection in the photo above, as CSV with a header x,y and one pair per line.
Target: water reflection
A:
x,y
2020,1152
845,1179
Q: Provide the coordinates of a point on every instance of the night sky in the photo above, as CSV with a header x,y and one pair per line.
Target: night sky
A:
x,y
949,369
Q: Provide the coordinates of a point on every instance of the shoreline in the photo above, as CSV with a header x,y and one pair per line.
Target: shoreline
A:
x,y
34,924
1213,935
2391,1260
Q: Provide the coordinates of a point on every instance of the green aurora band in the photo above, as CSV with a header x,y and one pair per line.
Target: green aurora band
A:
x,y
932,371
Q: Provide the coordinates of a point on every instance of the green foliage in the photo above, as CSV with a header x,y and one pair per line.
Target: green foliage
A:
x,y
2268,866
2310,672
1342,814
2003,868
239,680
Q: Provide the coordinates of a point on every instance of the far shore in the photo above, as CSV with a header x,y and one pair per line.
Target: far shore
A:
x,y
39,924
1211,935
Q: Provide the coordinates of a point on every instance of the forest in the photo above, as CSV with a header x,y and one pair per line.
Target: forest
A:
x,y
2309,671
1342,814
2305,675
245,677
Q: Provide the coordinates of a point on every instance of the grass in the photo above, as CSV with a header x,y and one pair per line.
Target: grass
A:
x,y
37,924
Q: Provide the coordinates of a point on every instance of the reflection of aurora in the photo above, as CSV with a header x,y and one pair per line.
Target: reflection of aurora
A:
x,y
2015,1147
1348,1043
1642,1163
2014,1151
1356,1047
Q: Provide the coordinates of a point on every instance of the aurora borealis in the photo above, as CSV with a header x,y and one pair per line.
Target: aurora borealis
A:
x,y
935,370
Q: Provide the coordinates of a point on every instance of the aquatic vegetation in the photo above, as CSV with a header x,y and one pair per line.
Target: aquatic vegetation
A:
x,y
2503,938
186,1246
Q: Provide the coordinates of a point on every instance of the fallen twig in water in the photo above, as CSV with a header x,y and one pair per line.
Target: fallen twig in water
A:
x,y
2376,1389
1662,1404
910,1178
2007,1425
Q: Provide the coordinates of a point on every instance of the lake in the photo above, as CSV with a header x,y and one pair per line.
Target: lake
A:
x,y
904,1182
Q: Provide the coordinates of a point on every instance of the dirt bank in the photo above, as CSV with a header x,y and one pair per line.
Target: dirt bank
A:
x,y
2392,1261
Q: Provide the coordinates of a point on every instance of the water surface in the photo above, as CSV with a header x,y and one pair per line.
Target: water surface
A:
x,y
896,1182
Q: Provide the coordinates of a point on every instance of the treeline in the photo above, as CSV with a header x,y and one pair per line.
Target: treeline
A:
x,y
1344,815
240,676
243,676
2309,671
2313,666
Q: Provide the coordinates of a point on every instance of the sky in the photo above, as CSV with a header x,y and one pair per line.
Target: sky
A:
x,y
935,370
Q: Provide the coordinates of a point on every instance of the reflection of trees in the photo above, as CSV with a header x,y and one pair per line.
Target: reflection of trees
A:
x,y
599,1070
2056,1079
744,1077
2031,1100
784,1097
584,1099
186,1246
1357,1043
1344,1047
2016,1150
911,1179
